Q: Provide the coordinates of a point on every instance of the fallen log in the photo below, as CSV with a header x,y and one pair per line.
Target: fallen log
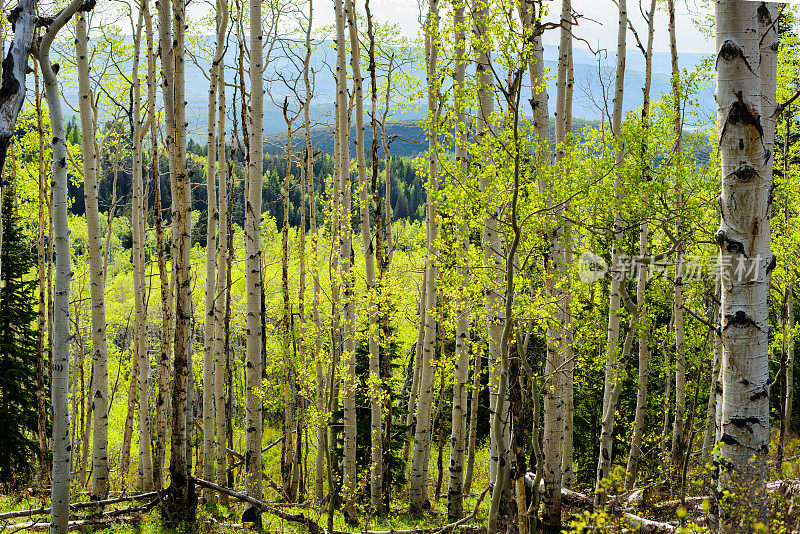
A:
x,y
79,524
300,518
641,524
315,528
79,505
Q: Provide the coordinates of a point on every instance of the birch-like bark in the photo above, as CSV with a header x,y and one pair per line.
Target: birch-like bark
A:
x,y
553,386
162,399
127,432
635,450
253,263
612,375
319,386
490,239
458,421
91,174
746,40
345,264
181,498
210,327
59,493
418,482
376,449
42,344
138,223
221,292
414,391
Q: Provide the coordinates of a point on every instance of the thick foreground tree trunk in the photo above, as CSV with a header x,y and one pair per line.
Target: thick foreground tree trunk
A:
x,y
746,39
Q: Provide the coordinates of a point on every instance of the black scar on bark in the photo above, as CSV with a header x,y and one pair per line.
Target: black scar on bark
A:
x,y
730,51
729,440
764,392
744,422
739,320
733,245
764,18
741,113
745,173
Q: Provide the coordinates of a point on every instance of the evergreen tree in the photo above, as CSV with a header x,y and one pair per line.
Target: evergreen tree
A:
x,y
18,417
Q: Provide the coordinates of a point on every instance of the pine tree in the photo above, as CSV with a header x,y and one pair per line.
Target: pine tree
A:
x,y
18,416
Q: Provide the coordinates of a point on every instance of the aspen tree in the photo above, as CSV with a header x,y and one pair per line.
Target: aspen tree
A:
x,y
554,378
253,263
418,483
211,316
345,251
138,223
42,345
641,283
162,398
746,40
221,291
412,394
181,498
319,391
91,174
364,195
490,238
59,493
612,375
455,490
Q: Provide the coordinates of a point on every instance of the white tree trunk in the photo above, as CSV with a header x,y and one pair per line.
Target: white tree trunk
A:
x,y
418,482
253,258
59,495
745,105
97,275
138,223
221,292
612,375
211,315
455,492
635,450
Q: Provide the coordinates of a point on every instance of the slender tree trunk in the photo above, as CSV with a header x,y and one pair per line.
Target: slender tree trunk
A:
x,y
458,422
414,392
746,35
711,408
59,515
288,446
376,448
418,483
319,391
163,360
181,498
635,450
42,344
345,263
788,394
221,291
612,375
473,422
97,274
211,317
554,364
138,223
490,238
253,263
127,433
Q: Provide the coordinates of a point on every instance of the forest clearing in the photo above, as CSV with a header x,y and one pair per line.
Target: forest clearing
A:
x,y
399,267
